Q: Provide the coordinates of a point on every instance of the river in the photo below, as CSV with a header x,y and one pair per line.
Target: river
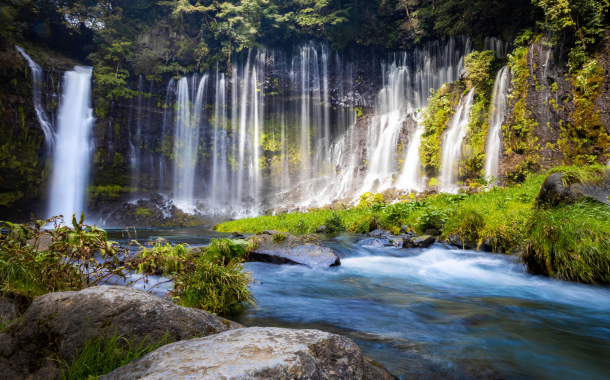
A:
x,y
435,313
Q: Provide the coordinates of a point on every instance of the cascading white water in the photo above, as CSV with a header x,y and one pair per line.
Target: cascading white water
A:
x,y
452,144
498,113
187,140
411,177
70,172
41,113
501,48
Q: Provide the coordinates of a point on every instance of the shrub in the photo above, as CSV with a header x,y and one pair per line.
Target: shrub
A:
x,y
226,250
334,224
467,224
163,259
214,287
69,263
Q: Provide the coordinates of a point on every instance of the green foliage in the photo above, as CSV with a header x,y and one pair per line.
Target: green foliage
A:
x,y
163,259
100,356
105,192
68,264
144,212
227,250
479,67
334,224
584,19
217,288
571,243
371,200
434,121
584,139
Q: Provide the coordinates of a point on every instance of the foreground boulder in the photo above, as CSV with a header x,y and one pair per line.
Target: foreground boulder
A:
x,y
554,193
280,248
256,353
56,325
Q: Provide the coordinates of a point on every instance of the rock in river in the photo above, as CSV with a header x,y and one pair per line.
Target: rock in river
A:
x,y
256,353
56,325
280,248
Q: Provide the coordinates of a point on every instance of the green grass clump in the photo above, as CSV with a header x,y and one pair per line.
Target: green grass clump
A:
x,y
334,224
571,243
226,250
214,287
100,356
163,259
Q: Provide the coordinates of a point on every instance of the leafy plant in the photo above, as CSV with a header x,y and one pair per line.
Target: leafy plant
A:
x,y
334,224
279,238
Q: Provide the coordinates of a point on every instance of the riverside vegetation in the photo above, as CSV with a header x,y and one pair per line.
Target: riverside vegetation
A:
x,y
567,241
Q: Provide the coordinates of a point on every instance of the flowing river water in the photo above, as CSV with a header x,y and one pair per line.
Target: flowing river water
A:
x,y
434,313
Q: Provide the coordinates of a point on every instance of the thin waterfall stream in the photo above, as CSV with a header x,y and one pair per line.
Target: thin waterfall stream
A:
x,y
499,109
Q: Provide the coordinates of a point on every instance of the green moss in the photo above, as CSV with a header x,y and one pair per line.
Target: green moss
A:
x,y
584,139
144,212
435,120
119,160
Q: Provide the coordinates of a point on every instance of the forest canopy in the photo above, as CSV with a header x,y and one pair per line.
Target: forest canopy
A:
x,y
157,37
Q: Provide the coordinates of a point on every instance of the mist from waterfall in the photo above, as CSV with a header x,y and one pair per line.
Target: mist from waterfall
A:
x,y
452,144
37,91
499,104
72,152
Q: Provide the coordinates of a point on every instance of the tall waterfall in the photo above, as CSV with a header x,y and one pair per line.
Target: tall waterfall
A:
x,y
498,113
41,113
187,139
452,144
70,172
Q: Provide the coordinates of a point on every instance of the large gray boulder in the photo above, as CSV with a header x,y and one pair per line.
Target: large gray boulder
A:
x,y
256,353
554,193
56,325
280,248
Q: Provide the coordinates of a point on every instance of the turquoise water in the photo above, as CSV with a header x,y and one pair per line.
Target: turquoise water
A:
x,y
437,313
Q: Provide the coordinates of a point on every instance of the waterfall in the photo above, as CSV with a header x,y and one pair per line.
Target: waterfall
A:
x,y
219,161
498,112
70,172
187,140
411,177
501,48
452,144
41,113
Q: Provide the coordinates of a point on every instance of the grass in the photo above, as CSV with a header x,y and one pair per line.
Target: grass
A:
x,y
571,243
581,174
100,356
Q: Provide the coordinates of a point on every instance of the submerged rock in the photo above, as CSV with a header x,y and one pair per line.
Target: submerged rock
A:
x,y
256,353
56,325
279,248
554,193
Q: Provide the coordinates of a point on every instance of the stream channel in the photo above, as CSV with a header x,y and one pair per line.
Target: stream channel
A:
x,y
433,313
